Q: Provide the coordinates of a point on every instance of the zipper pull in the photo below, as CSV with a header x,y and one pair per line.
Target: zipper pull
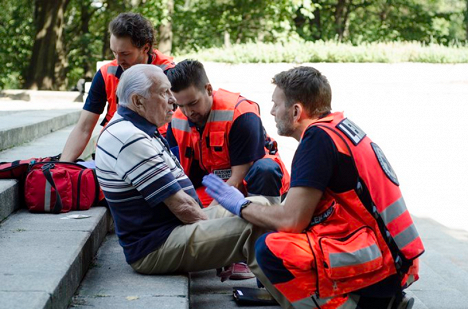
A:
x,y
335,285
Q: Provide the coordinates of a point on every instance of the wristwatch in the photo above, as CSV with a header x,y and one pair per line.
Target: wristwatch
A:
x,y
244,205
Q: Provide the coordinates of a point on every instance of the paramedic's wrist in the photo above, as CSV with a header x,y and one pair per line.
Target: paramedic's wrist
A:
x,y
229,197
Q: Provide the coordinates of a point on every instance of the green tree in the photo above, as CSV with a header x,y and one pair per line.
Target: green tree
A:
x,y
16,42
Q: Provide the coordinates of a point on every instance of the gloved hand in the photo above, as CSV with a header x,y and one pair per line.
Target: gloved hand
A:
x,y
229,197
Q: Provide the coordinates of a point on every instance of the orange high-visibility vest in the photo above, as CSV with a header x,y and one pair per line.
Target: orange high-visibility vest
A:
x,y
108,72
364,235
212,148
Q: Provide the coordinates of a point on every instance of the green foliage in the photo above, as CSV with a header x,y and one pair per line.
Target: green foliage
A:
x,y
258,31
16,41
201,24
299,51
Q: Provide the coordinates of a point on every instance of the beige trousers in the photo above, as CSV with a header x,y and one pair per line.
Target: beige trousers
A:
x,y
221,240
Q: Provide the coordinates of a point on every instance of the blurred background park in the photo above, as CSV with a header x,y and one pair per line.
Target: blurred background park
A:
x,y
52,44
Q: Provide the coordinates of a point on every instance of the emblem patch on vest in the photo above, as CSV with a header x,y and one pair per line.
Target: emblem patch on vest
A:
x,y
223,174
351,130
386,167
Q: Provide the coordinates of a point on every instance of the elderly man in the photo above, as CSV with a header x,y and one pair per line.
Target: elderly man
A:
x,y
344,238
158,219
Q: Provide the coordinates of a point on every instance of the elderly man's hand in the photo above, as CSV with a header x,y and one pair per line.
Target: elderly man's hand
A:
x,y
229,197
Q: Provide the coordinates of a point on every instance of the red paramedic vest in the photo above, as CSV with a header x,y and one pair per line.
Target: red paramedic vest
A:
x,y
108,72
212,149
364,235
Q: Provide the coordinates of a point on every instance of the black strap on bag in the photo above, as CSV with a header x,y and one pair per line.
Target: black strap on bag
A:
x,y
97,188
48,176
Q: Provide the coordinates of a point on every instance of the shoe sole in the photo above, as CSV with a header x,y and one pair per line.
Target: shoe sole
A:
x,y
241,277
407,303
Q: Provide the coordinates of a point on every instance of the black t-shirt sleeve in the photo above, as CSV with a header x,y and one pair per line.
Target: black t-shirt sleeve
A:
x,y
97,97
314,161
246,140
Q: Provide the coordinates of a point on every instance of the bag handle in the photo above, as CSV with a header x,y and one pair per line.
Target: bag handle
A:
x,y
48,176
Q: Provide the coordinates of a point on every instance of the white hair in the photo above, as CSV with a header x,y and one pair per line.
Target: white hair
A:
x,y
136,81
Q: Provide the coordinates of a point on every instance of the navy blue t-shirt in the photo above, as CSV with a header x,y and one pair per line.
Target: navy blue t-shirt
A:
x,y
319,165
246,144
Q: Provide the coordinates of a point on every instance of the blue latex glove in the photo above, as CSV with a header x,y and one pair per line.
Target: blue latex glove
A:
x,y
229,197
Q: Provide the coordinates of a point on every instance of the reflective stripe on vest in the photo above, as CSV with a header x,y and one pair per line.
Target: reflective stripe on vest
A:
x,y
217,115
357,257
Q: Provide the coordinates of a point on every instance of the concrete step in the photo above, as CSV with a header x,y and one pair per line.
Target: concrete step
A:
x,y
45,257
20,127
42,96
9,197
112,284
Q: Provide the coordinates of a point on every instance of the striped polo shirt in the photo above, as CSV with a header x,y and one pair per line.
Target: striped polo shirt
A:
x,y
137,172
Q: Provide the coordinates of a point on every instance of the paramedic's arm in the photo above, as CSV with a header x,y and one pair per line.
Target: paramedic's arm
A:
x,y
79,137
238,173
185,208
293,217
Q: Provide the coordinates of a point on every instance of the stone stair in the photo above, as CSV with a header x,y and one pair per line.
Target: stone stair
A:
x,y
43,258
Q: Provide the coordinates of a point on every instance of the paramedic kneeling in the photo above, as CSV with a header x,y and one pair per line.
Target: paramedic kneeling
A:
x,y
157,215
344,238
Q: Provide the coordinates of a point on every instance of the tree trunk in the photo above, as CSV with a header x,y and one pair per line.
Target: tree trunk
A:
x,y
86,15
165,30
227,39
47,67
340,9
318,24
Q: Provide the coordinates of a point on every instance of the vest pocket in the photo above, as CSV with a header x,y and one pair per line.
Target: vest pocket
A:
x,y
219,152
353,255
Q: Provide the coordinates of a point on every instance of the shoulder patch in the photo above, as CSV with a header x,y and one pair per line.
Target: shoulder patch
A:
x,y
351,130
384,164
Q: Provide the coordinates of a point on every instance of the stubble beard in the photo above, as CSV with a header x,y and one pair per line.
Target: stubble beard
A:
x,y
285,127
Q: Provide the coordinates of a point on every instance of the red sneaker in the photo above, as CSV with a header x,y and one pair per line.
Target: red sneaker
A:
x,y
237,271
241,271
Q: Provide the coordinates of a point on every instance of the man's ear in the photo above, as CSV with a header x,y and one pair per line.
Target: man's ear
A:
x,y
146,48
209,89
297,111
136,101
